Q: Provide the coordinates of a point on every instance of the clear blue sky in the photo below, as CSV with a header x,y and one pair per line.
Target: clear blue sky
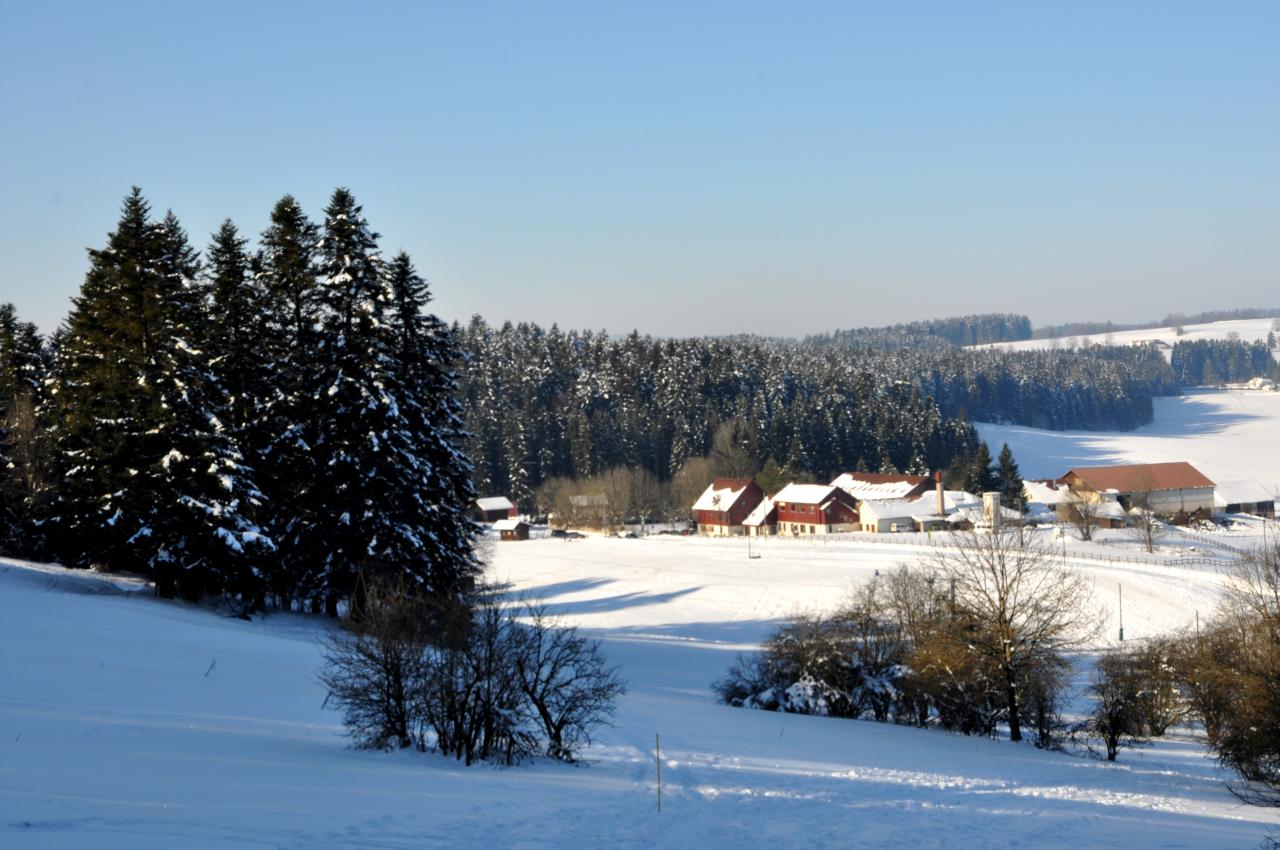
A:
x,y
680,168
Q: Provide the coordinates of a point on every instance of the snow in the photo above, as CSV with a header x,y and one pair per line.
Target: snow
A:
x,y
803,494
866,490
1229,435
721,499
1249,330
759,513
128,721
494,503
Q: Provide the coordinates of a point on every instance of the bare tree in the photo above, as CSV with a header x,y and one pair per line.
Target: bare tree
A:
x,y
733,449
617,487
375,664
1144,524
566,680
1027,608
1081,510
1117,690
688,484
648,495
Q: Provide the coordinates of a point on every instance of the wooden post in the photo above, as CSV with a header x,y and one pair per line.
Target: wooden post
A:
x,y
657,760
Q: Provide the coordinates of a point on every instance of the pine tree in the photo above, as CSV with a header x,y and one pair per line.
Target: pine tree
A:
x,y
442,530
1009,480
287,279
24,368
151,480
979,477
234,334
391,485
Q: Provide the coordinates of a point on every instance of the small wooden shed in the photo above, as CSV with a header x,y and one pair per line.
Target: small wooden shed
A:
x,y
512,529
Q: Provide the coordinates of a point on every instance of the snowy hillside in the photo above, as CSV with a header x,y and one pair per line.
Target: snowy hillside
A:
x,y
127,721
1249,330
1229,435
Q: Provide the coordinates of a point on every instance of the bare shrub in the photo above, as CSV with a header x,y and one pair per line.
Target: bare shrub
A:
x,y
467,678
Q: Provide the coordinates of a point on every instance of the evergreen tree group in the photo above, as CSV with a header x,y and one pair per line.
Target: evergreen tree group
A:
x,y
264,425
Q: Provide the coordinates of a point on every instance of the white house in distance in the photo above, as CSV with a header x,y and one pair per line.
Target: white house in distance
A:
x,y
1167,488
889,515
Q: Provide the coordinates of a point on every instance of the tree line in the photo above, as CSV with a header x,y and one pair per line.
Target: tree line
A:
x,y
957,330
1214,361
259,423
545,404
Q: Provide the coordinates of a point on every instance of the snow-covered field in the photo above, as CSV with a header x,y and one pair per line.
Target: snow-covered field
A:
x,y
1229,435
130,722
1248,330
125,721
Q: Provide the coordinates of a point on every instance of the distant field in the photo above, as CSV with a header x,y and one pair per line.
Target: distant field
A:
x,y
1227,434
1248,330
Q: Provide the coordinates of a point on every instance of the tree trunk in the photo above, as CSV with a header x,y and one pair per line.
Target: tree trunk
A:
x,y
1015,721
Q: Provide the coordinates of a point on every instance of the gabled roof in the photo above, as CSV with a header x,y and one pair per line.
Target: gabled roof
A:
x,y
722,494
508,524
760,514
804,494
1141,477
495,503
874,485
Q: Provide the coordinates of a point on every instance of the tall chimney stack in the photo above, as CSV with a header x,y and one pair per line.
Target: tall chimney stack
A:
x,y
942,503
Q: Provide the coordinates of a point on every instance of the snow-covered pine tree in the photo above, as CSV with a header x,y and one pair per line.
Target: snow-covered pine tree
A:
x,y
234,335
392,485
287,278
152,481
440,553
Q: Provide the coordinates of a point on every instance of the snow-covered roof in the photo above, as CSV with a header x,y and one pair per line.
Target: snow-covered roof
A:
x,y
952,500
865,485
1109,510
495,503
509,524
721,494
1242,491
760,513
888,509
1039,493
804,494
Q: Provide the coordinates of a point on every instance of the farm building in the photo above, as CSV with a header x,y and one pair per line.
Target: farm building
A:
x,y
815,509
1245,497
512,529
888,515
875,486
763,521
1044,498
723,506
493,508
1167,488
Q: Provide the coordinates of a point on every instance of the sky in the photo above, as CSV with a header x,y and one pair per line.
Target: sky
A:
x,y
676,168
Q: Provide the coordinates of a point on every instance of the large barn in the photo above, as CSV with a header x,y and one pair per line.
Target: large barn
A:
x,y
1166,488
875,486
